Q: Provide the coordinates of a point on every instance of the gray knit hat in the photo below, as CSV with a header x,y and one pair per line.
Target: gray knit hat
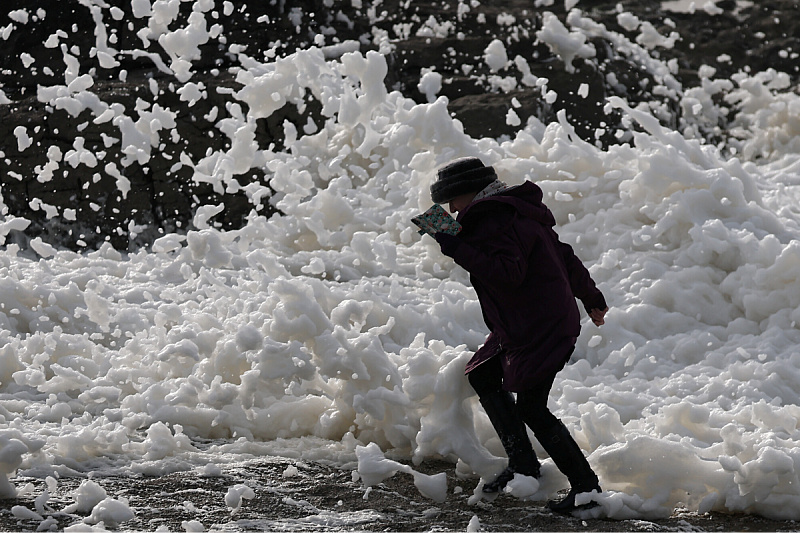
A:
x,y
461,176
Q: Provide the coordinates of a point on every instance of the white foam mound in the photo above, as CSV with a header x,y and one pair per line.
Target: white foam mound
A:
x,y
335,326
373,468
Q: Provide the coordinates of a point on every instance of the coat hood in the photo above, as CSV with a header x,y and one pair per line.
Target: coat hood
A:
x,y
525,198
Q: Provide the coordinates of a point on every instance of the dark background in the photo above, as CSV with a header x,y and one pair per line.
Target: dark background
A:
x,y
162,200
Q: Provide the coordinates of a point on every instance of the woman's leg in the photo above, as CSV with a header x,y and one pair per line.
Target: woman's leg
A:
x,y
555,438
532,407
487,380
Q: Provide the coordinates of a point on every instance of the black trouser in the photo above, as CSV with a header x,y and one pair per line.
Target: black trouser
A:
x,y
487,378
531,410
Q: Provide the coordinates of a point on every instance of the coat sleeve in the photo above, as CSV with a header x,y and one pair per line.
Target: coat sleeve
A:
x,y
494,255
580,281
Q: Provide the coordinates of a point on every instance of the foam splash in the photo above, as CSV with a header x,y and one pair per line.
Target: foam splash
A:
x,y
335,326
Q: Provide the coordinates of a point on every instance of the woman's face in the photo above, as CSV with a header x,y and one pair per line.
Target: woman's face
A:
x,y
459,203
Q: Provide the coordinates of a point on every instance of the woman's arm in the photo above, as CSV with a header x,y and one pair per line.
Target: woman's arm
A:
x,y
490,248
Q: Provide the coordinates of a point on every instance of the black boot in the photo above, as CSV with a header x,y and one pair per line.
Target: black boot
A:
x,y
500,407
569,458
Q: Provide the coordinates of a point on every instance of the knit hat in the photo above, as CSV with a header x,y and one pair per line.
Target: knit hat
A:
x,y
461,176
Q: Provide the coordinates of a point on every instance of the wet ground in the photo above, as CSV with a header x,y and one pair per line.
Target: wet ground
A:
x,y
291,496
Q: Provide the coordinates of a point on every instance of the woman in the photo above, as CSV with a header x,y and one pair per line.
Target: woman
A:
x,y
527,281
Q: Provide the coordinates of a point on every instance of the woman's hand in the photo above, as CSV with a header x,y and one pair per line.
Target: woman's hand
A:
x,y
598,316
448,243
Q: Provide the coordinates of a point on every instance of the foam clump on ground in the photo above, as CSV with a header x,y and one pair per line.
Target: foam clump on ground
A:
x,y
335,323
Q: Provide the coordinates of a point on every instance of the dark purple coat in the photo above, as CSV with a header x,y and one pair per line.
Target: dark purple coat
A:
x,y
526,280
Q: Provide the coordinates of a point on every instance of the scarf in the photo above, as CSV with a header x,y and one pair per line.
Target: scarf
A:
x,y
496,187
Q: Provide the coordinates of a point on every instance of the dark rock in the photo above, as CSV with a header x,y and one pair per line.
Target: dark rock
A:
x,y
163,196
